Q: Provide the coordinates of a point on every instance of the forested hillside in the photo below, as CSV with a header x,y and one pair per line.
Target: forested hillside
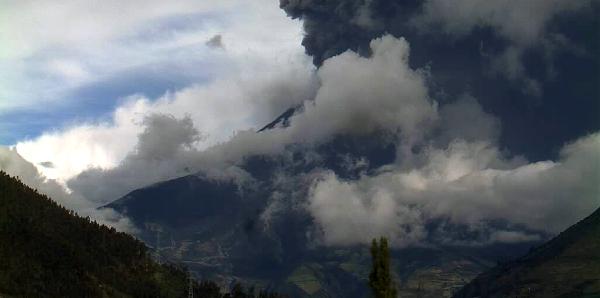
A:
x,y
48,251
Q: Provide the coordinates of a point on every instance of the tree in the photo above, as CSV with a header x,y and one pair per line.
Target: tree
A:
x,y
380,279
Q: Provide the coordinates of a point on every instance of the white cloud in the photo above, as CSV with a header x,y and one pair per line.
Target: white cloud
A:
x,y
349,214
467,183
360,95
86,145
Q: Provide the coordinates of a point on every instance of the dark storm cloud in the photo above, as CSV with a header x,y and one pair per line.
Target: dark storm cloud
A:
x,y
532,64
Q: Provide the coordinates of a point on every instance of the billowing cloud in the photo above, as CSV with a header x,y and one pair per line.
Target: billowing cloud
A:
x,y
355,96
165,136
468,183
163,151
507,54
361,95
242,101
86,145
348,216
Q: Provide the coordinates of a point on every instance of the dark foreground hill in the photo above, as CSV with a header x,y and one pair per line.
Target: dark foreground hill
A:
x,y
566,266
48,251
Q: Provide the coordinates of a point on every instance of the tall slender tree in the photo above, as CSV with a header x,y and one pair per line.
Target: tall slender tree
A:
x,y
380,279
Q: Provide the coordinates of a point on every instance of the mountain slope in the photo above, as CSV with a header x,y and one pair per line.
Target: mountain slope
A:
x,y
566,266
47,251
218,231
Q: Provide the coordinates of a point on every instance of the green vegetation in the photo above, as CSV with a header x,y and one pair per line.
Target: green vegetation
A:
x,y
380,279
48,251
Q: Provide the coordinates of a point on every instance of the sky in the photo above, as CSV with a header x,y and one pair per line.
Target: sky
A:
x,y
489,104
69,66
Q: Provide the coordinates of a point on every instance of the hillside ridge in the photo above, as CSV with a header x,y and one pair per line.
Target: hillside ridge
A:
x,y
566,266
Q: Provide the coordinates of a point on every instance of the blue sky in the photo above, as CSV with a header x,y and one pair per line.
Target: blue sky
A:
x,y
57,82
95,101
